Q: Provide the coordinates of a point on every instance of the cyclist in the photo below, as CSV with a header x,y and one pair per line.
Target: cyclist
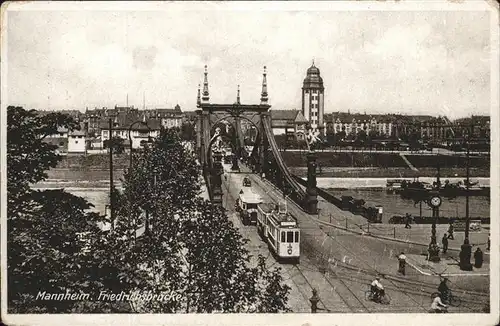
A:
x,y
443,290
377,289
437,306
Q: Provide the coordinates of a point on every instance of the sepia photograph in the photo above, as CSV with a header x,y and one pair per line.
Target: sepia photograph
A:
x,y
250,163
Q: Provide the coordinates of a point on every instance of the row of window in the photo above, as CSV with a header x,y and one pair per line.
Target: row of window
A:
x,y
289,236
125,133
313,91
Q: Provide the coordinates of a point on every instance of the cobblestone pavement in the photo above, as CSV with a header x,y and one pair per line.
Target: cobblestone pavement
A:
x,y
341,265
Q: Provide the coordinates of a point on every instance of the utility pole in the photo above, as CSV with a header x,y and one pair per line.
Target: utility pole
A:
x,y
111,199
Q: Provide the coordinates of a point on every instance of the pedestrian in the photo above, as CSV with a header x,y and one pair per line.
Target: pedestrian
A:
x,y
408,221
478,258
488,248
402,263
444,241
450,231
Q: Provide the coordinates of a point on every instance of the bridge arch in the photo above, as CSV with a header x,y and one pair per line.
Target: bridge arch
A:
x,y
214,124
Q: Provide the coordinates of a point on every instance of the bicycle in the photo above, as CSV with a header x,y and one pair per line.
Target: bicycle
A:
x,y
451,300
385,299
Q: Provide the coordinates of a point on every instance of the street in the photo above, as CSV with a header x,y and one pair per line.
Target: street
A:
x,y
341,265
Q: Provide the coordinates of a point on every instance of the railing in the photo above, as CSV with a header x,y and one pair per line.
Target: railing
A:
x,y
297,190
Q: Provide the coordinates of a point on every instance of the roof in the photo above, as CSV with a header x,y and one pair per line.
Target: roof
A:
x,y
313,78
124,121
347,117
175,110
284,114
283,217
77,133
250,198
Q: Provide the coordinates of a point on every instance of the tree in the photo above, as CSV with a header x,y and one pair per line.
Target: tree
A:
x,y
117,143
189,247
188,131
44,227
361,138
331,138
341,136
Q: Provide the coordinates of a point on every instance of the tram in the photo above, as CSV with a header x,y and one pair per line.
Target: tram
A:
x,y
247,204
280,230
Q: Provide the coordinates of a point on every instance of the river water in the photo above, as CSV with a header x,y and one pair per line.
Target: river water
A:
x,y
97,193
393,204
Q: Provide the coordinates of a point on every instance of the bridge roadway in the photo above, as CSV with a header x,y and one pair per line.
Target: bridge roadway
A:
x,y
341,264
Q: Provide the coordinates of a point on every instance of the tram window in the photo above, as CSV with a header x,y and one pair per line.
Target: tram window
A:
x,y
250,206
296,236
282,236
289,236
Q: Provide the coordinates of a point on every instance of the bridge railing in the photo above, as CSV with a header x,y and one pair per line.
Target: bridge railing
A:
x,y
297,193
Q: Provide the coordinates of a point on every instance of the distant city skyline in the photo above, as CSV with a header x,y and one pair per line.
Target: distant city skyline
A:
x,y
378,62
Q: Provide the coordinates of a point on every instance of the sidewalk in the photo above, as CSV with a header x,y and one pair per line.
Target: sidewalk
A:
x,y
419,234
446,267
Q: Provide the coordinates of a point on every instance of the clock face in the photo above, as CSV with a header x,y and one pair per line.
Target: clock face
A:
x,y
435,201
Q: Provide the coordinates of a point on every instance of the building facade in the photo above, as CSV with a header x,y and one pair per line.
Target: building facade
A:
x,y
288,122
313,99
353,123
170,118
77,142
131,127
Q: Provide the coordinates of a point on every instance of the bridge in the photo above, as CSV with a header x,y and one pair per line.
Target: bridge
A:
x,y
264,159
336,260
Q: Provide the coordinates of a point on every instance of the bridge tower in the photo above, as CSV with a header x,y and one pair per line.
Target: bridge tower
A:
x,y
209,115
264,159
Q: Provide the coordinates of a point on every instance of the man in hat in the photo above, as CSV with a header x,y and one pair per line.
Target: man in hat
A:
x,y
450,231
444,290
408,221
444,241
478,258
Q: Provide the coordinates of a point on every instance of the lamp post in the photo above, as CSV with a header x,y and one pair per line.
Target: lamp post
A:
x,y
314,301
466,248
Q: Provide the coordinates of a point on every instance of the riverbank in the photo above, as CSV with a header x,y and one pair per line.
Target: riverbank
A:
x,y
378,183
393,172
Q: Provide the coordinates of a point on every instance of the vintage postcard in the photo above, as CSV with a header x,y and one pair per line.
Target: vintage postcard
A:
x,y
250,163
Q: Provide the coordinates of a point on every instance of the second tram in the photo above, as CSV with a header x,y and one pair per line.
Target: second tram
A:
x,y
281,231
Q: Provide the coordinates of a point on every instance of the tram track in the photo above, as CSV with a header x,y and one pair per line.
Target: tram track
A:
x,y
399,284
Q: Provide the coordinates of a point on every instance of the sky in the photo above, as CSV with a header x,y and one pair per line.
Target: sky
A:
x,y
409,62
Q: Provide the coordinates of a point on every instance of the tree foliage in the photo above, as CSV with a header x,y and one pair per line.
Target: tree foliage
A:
x,y
165,240
117,143
202,258
43,226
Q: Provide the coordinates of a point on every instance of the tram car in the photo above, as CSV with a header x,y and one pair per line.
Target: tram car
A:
x,y
281,231
247,206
